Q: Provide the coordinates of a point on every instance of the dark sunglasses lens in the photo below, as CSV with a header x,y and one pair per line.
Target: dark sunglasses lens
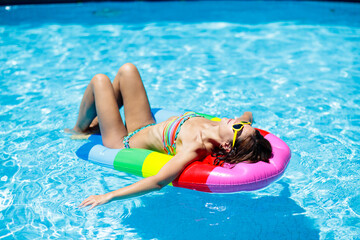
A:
x,y
237,126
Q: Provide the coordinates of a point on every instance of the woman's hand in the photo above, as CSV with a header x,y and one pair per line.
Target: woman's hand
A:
x,y
95,200
247,116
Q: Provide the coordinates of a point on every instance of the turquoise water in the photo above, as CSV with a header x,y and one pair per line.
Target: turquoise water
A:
x,y
296,65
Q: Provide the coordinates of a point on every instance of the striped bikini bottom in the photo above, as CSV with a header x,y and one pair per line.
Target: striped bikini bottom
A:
x,y
127,138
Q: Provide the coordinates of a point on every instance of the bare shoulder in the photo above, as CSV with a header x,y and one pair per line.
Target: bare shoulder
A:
x,y
195,151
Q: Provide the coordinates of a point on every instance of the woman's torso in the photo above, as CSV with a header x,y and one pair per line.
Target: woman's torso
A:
x,y
152,137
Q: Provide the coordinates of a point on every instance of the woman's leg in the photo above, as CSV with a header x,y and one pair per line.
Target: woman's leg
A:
x,y
100,100
130,92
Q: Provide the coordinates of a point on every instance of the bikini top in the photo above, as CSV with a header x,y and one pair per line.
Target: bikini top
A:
x,y
172,129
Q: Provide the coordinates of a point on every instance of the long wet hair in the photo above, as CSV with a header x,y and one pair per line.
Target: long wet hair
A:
x,y
253,148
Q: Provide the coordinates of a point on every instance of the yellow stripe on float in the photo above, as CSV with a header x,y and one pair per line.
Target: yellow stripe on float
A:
x,y
153,163
216,119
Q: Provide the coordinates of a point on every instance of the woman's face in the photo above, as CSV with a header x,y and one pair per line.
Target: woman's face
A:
x,y
227,133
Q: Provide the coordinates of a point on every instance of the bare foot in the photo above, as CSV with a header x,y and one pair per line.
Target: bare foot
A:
x,y
90,130
80,136
75,134
71,131
94,123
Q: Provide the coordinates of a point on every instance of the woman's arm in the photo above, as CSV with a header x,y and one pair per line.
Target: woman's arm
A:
x,y
166,175
247,117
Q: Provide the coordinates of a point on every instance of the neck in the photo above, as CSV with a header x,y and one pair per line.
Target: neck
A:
x,y
210,136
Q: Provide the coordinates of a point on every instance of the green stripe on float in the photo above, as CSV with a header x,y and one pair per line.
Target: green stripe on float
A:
x,y
131,160
207,116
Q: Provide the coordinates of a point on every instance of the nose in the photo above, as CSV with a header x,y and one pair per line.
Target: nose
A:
x,y
224,119
236,119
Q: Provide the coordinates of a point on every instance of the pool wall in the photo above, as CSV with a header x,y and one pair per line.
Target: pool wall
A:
x,y
21,2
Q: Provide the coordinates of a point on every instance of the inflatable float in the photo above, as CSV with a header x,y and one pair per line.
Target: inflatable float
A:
x,y
199,175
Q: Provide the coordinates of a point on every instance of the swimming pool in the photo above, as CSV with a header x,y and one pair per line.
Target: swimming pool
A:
x,y
296,65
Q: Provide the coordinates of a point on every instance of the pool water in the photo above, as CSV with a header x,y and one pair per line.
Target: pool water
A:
x,y
295,65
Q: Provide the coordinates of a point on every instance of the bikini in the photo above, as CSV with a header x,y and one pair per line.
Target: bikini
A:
x,y
127,138
170,132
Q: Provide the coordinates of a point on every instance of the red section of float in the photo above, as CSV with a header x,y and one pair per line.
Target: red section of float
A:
x,y
195,176
262,132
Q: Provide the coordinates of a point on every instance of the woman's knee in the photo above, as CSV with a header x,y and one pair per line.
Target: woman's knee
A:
x,y
100,80
128,68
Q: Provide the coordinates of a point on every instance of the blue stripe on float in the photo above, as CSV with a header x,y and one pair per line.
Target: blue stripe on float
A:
x,y
96,138
154,111
161,115
103,156
83,151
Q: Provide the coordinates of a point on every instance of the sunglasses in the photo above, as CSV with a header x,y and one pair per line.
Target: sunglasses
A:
x,y
238,127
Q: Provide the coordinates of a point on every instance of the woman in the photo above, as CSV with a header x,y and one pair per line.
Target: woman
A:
x,y
230,140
